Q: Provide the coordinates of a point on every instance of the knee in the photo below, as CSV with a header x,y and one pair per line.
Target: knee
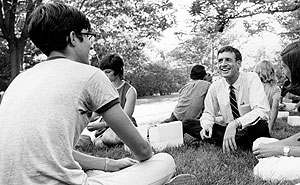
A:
x,y
263,129
277,169
166,159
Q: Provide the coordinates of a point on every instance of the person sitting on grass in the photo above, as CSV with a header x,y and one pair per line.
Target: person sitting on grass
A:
x,y
191,96
280,159
54,101
266,73
113,67
242,102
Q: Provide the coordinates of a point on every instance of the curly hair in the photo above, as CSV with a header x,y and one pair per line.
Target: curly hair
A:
x,y
266,71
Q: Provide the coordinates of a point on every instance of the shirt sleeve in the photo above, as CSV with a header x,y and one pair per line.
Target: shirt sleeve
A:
x,y
100,93
211,107
258,102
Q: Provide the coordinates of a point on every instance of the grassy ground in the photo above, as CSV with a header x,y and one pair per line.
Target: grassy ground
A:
x,y
207,162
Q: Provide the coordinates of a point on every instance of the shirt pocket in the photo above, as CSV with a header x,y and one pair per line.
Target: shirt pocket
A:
x,y
244,109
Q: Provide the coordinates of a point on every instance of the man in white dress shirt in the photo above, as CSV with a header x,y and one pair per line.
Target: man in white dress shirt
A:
x,y
251,102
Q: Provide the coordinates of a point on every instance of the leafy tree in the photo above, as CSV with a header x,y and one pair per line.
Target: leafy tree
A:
x,y
212,17
120,24
125,26
13,15
193,51
153,79
216,14
4,65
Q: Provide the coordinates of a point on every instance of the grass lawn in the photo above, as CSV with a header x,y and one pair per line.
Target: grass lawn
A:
x,y
207,162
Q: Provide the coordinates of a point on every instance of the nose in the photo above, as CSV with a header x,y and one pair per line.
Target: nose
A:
x,y
222,62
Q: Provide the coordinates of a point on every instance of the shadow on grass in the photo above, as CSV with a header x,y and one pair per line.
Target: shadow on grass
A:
x,y
208,162
156,99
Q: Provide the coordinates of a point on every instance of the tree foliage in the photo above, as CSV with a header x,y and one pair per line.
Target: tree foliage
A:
x,y
153,79
213,19
13,14
122,26
125,26
215,15
192,51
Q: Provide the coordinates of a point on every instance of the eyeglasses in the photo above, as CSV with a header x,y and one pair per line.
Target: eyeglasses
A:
x,y
90,35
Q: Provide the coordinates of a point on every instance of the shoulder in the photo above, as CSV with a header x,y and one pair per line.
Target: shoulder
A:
x,y
203,84
250,78
248,74
129,88
218,83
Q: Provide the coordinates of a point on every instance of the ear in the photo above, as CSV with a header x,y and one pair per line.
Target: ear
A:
x,y
72,38
239,63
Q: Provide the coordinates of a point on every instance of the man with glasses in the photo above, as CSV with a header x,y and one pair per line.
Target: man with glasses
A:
x,y
48,106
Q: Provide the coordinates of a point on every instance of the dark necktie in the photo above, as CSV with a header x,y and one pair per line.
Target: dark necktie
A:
x,y
233,103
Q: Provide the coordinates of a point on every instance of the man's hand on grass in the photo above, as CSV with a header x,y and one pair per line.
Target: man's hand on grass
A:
x,y
206,132
229,143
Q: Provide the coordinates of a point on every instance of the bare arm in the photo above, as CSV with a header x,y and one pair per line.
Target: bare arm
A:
x,y
131,97
89,162
276,148
121,124
274,113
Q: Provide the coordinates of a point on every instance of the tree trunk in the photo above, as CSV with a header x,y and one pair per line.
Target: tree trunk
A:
x,y
16,56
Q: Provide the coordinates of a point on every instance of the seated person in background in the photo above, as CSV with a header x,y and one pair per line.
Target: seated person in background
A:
x,y
242,102
191,96
266,73
280,159
113,66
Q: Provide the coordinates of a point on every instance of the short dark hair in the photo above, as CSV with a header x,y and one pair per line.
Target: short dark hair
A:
x,y
115,62
50,24
291,57
231,49
198,72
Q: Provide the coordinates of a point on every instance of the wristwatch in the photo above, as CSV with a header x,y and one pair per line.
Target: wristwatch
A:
x,y
286,150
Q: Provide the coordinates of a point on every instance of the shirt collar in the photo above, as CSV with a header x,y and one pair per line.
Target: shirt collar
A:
x,y
237,83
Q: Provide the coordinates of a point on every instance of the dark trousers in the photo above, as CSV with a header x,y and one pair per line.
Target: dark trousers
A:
x,y
244,138
170,119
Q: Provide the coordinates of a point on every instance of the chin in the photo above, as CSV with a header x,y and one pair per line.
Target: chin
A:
x,y
226,74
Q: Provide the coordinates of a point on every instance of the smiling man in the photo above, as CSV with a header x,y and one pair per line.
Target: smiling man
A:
x,y
241,100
